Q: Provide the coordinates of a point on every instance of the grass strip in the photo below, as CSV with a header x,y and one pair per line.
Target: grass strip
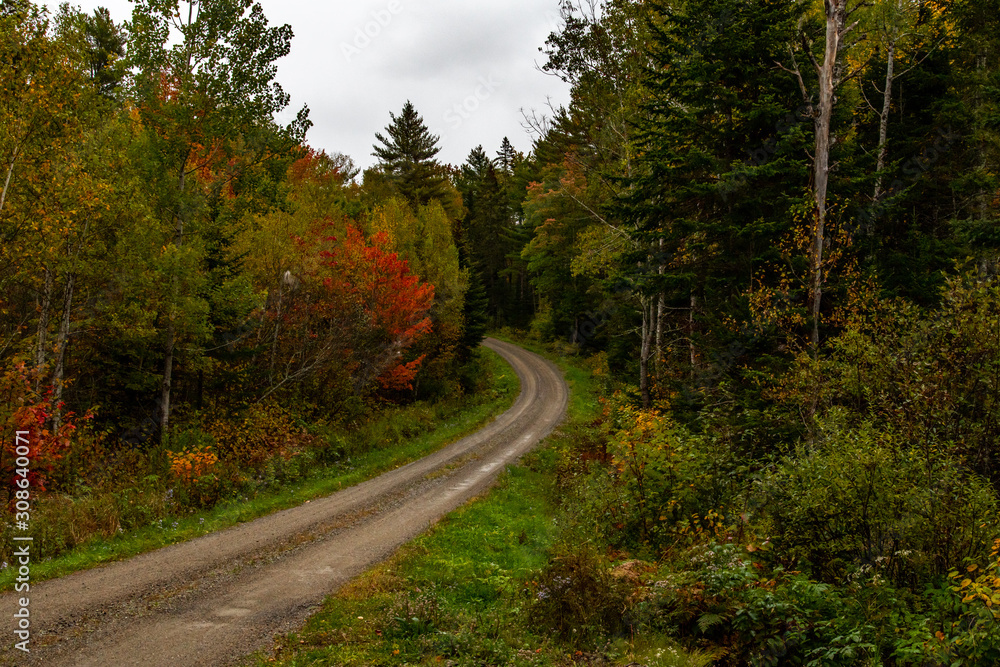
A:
x,y
457,594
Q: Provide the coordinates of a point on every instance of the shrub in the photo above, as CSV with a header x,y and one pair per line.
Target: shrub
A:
x,y
264,430
961,625
664,485
860,502
575,596
762,618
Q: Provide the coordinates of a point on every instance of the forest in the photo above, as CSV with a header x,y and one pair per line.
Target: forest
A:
x,y
765,227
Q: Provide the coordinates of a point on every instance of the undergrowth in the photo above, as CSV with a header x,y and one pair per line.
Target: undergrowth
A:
x,y
213,474
629,540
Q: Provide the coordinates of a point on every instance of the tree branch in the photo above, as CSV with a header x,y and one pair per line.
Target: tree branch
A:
x,y
798,75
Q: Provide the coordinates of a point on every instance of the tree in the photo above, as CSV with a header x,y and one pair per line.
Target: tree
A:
x,y
896,27
406,157
346,318
45,112
489,232
208,100
424,238
698,213
506,157
830,75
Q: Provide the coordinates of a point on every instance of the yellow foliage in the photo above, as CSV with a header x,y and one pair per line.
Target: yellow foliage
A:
x,y
985,588
190,464
266,430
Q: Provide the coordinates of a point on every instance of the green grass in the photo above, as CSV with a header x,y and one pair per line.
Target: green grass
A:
x,y
454,592
320,482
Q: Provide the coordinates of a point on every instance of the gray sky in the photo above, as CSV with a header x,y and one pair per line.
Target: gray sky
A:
x,y
468,67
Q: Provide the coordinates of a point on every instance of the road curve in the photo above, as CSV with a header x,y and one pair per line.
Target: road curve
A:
x,y
215,599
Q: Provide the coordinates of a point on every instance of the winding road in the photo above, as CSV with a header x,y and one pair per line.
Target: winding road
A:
x,y
218,598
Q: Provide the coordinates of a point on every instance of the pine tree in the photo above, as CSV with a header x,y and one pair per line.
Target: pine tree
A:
x,y
700,212
488,232
105,44
506,157
475,310
406,157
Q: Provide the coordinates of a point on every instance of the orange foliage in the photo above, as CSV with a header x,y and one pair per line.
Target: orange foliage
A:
x,y
377,280
190,464
400,377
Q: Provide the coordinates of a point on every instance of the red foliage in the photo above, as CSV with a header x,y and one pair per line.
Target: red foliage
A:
x,y
31,412
318,168
378,281
352,310
400,377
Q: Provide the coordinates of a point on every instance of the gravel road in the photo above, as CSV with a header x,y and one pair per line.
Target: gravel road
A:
x,y
215,599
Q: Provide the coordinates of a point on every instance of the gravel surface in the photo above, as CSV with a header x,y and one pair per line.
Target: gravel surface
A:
x,y
218,598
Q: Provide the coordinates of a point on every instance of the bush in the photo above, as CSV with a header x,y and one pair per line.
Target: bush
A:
x,y
664,482
933,375
264,430
762,618
575,597
958,628
860,503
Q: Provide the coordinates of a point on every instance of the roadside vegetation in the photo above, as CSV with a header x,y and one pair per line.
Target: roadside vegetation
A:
x,y
629,539
762,234
142,502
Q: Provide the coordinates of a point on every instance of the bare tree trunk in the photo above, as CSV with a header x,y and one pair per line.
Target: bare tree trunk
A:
x,y
171,341
43,328
648,329
277,330
168,371
661,307
883,125
692,350
835,16
10,172
61,343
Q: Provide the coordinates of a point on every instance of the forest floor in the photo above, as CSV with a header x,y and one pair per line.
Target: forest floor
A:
x,y
216,599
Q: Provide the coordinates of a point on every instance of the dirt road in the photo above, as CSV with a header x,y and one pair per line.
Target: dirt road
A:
x,y
213,600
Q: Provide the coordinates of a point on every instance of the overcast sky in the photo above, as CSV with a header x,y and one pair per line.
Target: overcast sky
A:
x,y
468,67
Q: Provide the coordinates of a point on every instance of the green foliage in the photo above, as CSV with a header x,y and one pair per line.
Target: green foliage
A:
x,y
955,630
864,503
490,235
662,484
933,376
406,158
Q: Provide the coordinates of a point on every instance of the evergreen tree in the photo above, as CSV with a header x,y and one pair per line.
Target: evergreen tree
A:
x,y
506,157
489,235
406,157
475,310
704,214
105,45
